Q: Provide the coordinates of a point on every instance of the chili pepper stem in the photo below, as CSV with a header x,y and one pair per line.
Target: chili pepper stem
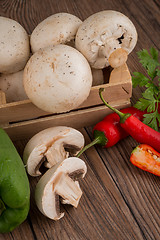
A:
x,y
95,141
122,116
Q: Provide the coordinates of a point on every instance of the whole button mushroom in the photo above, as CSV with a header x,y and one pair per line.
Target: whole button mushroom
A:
x,y
106,38
51,146
60,183
12,86
14,46
59,28
57,79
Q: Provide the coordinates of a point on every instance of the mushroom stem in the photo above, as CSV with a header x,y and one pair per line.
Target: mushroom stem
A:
x,y
118,58
55,154
69,190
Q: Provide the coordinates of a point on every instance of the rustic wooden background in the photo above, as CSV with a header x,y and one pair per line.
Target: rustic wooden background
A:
x,y
119,200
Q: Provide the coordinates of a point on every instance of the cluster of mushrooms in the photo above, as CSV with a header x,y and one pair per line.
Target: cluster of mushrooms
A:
x,y
67,58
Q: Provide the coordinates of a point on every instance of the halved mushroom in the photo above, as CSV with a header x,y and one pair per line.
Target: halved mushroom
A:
x,y
12,86
59,28
106,38
14,46
51,146
60,184
57,79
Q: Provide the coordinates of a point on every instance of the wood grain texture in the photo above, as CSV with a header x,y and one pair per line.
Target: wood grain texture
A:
x,y
138,188
119,201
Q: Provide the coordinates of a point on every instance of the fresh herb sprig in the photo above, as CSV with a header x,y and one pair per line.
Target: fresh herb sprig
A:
x,y
151,96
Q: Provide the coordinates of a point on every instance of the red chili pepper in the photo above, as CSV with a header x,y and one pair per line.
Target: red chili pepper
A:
x,y
146,158
108,132
110,126
137,129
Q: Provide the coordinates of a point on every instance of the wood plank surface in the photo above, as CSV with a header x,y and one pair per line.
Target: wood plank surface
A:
x,y
119,201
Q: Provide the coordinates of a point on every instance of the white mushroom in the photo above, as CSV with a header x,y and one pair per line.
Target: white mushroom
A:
x,y
59,28
51,146
60,183
12,86
106,38
14,46
98,77
57,79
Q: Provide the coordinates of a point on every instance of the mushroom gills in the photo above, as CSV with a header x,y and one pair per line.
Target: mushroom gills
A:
x,y
71,149
76,175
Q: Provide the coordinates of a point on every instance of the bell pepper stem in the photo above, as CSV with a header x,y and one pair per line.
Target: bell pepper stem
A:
x,y
122,116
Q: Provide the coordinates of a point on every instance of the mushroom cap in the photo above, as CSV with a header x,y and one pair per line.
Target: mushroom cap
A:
x,y
54,144
57,79
14,46
59,28
60,180
103,32
12,86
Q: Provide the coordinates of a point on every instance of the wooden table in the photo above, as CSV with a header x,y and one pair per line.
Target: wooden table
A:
x,y
119,200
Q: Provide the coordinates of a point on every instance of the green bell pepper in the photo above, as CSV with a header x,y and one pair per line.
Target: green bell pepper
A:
x,y
14,186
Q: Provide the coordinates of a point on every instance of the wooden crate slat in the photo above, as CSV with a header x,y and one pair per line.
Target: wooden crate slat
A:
x,y
120,74
25,110
23,119
76,119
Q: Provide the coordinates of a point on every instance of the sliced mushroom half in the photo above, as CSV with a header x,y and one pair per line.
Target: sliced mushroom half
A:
x,y
60,184
51,146
106,38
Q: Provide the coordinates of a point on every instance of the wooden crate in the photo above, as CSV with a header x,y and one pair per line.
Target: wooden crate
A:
x,y
23,119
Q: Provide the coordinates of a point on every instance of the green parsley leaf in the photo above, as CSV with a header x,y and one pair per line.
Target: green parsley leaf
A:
x,y
158,72
151,120
139,79
151,96
158,119
154,53
142,104
148,94
149,62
